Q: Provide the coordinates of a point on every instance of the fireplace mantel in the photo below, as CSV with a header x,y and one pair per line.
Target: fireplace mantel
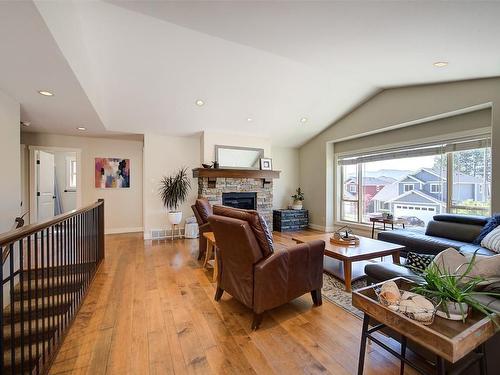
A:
x,y
234,173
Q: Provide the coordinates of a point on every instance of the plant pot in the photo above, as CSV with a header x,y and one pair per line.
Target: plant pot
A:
x,y
297,205
174,217
454,311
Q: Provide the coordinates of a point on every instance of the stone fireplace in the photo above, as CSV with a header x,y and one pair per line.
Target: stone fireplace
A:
x,y
214,189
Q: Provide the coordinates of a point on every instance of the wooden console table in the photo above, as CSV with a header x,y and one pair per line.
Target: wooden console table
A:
x,y
450,341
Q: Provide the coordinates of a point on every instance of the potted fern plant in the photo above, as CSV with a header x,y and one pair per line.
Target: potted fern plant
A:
x,y
173,192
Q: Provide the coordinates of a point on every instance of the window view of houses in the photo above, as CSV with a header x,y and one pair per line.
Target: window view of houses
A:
x,y
417,188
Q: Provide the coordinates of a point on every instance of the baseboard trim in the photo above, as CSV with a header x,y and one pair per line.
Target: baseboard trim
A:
x,y
123,230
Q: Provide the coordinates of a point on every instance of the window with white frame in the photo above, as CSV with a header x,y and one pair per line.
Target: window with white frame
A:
x,y
381,181
436,188
408,187
71,173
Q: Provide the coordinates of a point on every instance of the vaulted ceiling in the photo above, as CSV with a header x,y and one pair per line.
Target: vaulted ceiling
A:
x,y
140,66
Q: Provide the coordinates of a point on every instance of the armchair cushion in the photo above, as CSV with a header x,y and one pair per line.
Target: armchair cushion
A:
x,y
256,222
204,209
287,274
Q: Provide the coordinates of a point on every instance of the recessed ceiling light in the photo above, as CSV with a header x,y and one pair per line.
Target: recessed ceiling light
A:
x,y
303,120
249,119
25,123
81,128
440,64
200,103
45,93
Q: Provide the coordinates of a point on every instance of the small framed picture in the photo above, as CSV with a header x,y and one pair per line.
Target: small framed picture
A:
x,y
266,164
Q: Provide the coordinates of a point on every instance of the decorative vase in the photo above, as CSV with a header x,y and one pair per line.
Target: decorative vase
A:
x,y
454,311
297,205
174,217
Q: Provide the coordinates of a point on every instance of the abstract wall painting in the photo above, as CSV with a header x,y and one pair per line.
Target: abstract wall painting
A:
x,y
112,173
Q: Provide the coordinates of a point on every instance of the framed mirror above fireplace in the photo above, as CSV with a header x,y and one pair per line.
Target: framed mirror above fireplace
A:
x,y
238,157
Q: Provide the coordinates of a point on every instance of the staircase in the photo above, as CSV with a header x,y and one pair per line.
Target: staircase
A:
x,y
36,320
41,301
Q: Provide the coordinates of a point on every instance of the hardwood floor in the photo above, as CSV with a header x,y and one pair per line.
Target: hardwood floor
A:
x,y
151,310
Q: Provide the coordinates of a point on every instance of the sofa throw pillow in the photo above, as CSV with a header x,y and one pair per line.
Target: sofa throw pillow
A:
x,y
418,262
493,222
492,240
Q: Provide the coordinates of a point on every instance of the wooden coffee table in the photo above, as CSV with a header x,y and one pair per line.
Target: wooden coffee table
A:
x,y
339,259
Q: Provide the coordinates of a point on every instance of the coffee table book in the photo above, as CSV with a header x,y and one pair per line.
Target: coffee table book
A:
x,y
451,340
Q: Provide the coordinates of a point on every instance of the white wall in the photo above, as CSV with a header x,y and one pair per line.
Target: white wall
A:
x,y
10,159
163,156
390,109
210,139
286,160
123,207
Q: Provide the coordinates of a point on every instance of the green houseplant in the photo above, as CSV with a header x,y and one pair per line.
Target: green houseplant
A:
x,y
454,292
173,192
298,198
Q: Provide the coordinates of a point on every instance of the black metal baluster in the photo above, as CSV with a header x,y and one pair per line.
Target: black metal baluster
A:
x,y
12,320
45,235
72,266
2,323
30,342
37,311
21,283
51,280
86,240
65,274
57,282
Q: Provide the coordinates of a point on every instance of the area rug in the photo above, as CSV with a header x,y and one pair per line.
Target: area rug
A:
x,y
333,291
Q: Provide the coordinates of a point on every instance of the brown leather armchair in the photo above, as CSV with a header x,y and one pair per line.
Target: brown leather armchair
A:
x,y
202,210
256,275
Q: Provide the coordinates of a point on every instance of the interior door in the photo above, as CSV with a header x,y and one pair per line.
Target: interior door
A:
x,y
45,185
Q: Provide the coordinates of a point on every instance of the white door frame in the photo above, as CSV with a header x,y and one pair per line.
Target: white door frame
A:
x,y
32,167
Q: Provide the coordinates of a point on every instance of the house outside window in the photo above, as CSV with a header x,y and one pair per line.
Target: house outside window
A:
x,y
408,187
416,187
436,188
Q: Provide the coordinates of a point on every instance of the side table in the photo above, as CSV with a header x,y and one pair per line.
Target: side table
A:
x,y
448,341
211,249
383,221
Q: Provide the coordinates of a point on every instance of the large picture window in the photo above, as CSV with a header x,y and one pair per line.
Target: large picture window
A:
x,y
415,184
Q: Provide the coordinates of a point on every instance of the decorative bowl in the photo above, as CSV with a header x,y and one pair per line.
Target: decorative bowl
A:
x,y
206,166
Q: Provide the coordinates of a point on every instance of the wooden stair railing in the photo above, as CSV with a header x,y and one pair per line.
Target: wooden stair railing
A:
x,y
46,271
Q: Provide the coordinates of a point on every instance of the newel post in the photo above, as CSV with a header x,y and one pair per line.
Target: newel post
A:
x,y
101,229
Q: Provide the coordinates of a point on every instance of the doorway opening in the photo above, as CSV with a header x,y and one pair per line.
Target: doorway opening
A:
x,y
55,186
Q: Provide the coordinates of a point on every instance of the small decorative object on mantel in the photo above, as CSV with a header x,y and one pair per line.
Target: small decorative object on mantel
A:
x,y
206,166
344,237
266,164
215,163
173,192
298,199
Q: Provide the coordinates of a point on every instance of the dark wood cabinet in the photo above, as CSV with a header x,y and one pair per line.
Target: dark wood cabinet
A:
x,y
290,220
